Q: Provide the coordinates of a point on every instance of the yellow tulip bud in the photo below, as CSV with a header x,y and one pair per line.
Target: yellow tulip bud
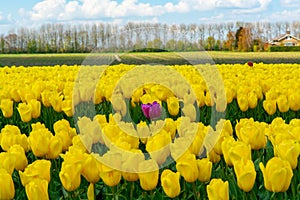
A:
x,y
158,146
148,174
14,94
89,169
7,162
18,152
7,107
269,106
54,148
209,101
86,92
131,163
170,183
217,190
252,133
288,150
63,130
179,147
56,101
46,94
70,176
196,144
161,92
7,189
39,169
11,135
225,129
204,167
294,101
187,167
119,103
67,107
36,108
170,127
277,174
37,126
252,100
245,173
110,177
37,189
242,100
39,141
173,105
213,156
226,146
25,111
238,151
282,103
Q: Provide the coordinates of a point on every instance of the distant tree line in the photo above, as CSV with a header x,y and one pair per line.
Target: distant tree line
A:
x,y
105,37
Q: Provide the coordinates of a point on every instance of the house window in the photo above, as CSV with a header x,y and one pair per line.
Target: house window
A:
x,y
289,44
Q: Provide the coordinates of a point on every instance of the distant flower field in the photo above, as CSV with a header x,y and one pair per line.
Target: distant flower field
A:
x,y
231,131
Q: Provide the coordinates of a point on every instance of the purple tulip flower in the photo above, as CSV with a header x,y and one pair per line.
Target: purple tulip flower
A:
x,y
151,110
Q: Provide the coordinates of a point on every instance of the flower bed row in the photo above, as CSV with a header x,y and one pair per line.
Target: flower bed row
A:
x,y
128,132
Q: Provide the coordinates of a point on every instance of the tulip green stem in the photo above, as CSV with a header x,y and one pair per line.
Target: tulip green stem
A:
x,y
114,193
152,194
184,189
253,195
244,196
131,190
195,191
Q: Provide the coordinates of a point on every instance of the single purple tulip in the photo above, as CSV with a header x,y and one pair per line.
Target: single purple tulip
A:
x,y
151,111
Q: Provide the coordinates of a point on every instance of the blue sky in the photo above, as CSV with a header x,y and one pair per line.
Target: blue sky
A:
x,y
32,13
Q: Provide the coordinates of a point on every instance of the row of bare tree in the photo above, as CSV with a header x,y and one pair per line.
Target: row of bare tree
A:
x,y
62,38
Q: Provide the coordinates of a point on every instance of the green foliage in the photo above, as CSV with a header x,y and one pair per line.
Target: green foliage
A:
x,y
283,48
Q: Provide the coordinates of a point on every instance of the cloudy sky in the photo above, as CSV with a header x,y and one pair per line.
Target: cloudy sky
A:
x,y
32,13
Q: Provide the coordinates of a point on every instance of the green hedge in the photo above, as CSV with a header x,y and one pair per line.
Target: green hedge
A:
x,y
283,48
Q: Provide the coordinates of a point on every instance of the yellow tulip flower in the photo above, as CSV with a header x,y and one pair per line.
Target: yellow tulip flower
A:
x,y
70,175
170,183
277,174
25,111
39,169
187,167
37,189
204,167
36,108
245,173
173,105
288,150
18,152
7,107
269,106
218,190
7,189
148,174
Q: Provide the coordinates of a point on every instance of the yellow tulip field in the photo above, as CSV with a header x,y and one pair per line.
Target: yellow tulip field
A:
x,y
229,131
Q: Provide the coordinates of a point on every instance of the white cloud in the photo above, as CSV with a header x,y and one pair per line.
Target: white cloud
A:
x,y
212,19
239,6
180,7
285,15
91,9
289,3
1,17
262,5
109,10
